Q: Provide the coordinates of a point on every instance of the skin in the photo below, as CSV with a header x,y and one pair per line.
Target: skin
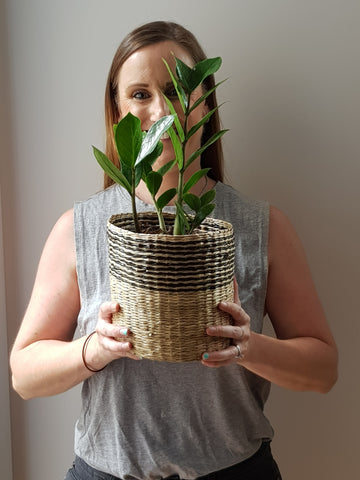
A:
x,y
46,361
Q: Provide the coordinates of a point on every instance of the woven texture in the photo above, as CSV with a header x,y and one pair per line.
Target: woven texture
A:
x,y
169,286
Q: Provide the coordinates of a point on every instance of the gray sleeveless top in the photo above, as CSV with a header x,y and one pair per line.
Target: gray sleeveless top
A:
x,y
146,419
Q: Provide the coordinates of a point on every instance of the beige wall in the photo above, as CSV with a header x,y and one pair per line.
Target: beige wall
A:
x,y
293,107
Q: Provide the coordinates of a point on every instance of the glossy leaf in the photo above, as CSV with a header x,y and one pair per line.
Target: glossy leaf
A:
x,y
204,97
128,139
109,168
193,201
179,90
167,167
177,148
185,74
153,182
211,140
154,155
191,78
165,198
178,126
196,127
195,178
208,197
204,212
153,136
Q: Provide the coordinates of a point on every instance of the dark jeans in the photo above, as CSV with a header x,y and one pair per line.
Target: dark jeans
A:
x,y
261,466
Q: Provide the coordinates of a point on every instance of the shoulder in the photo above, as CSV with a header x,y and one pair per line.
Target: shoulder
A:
x,y
60,243
284,243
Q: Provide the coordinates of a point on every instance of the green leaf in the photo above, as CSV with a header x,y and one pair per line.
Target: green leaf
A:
x,y
128,173
167,167
153,182
202,214
211,140
165,198
195,178
178,126
153,136
208,197
145,168
201,123
184,73
109,168
154,155
193,201
191,78
204,97
180,92
177,148
128,139
140,172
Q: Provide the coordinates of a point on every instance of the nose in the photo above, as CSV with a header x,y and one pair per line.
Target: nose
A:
x,y
159,108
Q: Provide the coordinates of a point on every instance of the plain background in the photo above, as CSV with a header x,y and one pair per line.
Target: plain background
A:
x,y
293,109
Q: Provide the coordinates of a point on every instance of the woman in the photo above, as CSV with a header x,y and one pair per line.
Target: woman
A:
x,y
152,420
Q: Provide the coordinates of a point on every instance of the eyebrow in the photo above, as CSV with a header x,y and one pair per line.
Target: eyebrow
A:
x,y
146,85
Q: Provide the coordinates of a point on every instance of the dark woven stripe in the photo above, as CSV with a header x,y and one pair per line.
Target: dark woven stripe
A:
x,y
192,258
177,287
198,262
155,268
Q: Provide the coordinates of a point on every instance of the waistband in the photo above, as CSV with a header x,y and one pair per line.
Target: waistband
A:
x,y
258,466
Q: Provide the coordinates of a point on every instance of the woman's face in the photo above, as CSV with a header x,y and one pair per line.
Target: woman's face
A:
x,y
142,81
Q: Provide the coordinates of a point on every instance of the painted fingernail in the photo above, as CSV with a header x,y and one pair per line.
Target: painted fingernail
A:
x,y
124,331
206,356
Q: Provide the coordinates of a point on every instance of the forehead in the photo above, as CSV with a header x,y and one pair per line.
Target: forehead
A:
x,y
148,61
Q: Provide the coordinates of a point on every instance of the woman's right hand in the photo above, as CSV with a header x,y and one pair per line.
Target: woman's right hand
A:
x,y
110,342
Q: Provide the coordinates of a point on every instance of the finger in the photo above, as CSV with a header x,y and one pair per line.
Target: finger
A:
x,y
238,314
221,358
116,332
236,292
107,309
228,331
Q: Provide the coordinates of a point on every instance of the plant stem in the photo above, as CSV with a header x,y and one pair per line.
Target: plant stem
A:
x,y
133,204
160,215
178,225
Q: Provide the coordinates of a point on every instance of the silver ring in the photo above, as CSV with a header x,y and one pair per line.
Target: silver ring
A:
x,y
238,355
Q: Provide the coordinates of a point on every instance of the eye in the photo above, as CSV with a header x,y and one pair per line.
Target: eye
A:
x,y
170,92
140,95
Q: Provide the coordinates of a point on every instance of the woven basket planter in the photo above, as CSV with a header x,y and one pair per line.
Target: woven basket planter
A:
x,y
169,286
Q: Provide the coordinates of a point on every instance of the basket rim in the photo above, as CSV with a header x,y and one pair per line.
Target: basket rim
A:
x,y
223,226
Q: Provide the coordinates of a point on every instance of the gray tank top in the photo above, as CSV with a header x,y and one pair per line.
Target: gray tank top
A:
x,y
148,420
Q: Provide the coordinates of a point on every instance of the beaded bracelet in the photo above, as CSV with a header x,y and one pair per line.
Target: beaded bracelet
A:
x,y
84,348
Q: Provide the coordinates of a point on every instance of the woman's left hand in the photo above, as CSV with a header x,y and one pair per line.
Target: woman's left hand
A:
x,y
239,332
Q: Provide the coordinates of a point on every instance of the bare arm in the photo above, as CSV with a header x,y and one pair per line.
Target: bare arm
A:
x,y
304,354
44,359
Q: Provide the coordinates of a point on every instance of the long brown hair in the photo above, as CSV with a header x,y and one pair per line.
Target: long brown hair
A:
x,y
149,34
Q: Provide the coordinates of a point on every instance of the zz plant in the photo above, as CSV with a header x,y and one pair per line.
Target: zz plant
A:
x,y
139,150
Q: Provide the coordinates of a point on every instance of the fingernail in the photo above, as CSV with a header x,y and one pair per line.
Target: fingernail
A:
x,y
124,331
206,356
224,304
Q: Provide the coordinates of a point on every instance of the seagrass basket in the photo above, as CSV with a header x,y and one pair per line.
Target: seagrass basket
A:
x,y
169,286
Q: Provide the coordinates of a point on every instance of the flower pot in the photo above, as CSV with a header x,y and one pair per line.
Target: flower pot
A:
x,y
169,287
